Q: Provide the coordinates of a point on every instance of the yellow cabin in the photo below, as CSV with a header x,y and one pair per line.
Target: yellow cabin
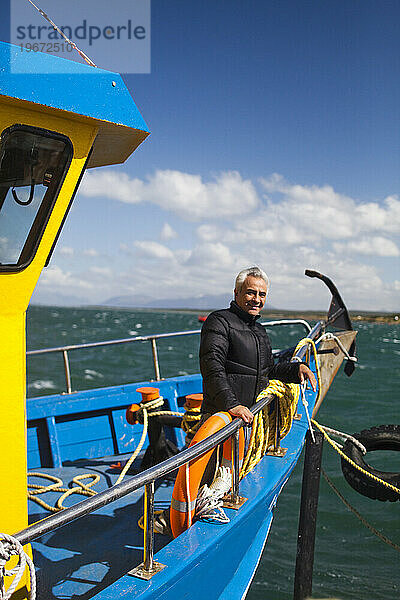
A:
x,y
52,127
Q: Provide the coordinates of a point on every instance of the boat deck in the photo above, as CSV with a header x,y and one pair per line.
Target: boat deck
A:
x,y
86,556
91,557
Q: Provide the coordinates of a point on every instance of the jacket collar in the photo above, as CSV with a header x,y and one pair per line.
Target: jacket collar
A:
x,y
242,314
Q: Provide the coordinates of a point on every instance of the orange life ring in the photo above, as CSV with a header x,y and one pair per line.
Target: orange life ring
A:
x,y
189,476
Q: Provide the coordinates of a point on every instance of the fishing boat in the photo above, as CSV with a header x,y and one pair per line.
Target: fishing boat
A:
x,y
54,127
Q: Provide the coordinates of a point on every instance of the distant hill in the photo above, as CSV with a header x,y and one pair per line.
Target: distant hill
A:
x,y
136,301
196,302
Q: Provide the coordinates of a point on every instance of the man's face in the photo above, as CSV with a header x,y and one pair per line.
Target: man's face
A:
x,y
252,296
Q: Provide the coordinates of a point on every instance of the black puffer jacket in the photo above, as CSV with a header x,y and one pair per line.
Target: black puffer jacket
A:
x,y
236,360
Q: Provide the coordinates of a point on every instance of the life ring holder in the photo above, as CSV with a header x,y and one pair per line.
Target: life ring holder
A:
x,y
383,437
187,483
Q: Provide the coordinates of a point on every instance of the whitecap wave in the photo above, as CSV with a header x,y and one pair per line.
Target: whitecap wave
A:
x,y
42,384
91,373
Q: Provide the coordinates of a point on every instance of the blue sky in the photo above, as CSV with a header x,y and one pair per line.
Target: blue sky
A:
x,y
275,141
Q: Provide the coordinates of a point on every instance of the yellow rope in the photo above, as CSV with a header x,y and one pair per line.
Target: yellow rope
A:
x,y
264,423
138,449
145,408
357,514
85,489
302,343
82,489
343,455
191,420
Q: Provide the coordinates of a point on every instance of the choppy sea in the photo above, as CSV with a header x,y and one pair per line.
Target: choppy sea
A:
x,y
350,561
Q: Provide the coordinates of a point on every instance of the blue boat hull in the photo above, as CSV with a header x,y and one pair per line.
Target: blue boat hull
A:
x,y
224,555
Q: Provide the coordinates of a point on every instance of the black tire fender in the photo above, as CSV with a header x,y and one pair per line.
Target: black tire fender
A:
x,y
383,437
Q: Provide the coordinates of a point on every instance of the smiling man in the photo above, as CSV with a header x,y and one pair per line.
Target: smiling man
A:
x,y
235,352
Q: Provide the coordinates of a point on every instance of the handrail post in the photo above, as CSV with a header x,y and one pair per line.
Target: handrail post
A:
x,y
67,372
234,500
155,359
277,449
148,567
2,588
235,468
148,527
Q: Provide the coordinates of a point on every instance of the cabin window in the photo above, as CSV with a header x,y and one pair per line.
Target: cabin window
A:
x,y
33,164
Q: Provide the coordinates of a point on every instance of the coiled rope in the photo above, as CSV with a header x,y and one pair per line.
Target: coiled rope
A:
x,y
353,464
191,419
80,488
264,423
147,409
10,546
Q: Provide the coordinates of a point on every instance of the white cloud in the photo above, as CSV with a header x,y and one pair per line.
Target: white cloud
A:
x,y
55,277
227,196
168,233
152,249
208,233
185,194
295,227
103,271
91,252
375,217
324,213
111,184
207,254
66,251
372,246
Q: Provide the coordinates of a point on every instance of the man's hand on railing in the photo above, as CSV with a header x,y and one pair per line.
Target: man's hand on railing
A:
x,y
243,412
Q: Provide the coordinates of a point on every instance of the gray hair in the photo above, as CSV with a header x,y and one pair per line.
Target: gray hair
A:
x,y
250,272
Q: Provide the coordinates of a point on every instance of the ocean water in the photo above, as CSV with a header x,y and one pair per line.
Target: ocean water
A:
x,y
350,561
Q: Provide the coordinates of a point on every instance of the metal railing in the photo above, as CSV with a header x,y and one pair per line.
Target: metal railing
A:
x,y
147,479
142,338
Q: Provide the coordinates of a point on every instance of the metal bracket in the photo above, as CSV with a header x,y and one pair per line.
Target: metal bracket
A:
x,y
280,452
142,573
229,502
334,350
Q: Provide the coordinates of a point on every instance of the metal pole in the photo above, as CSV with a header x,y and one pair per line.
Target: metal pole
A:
x,y
277,450
149,566
235,498
67,372
155,359
2,588
277,429
148,527
235,501
308,516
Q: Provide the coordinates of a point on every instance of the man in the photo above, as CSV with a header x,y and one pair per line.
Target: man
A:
x,y
235,352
